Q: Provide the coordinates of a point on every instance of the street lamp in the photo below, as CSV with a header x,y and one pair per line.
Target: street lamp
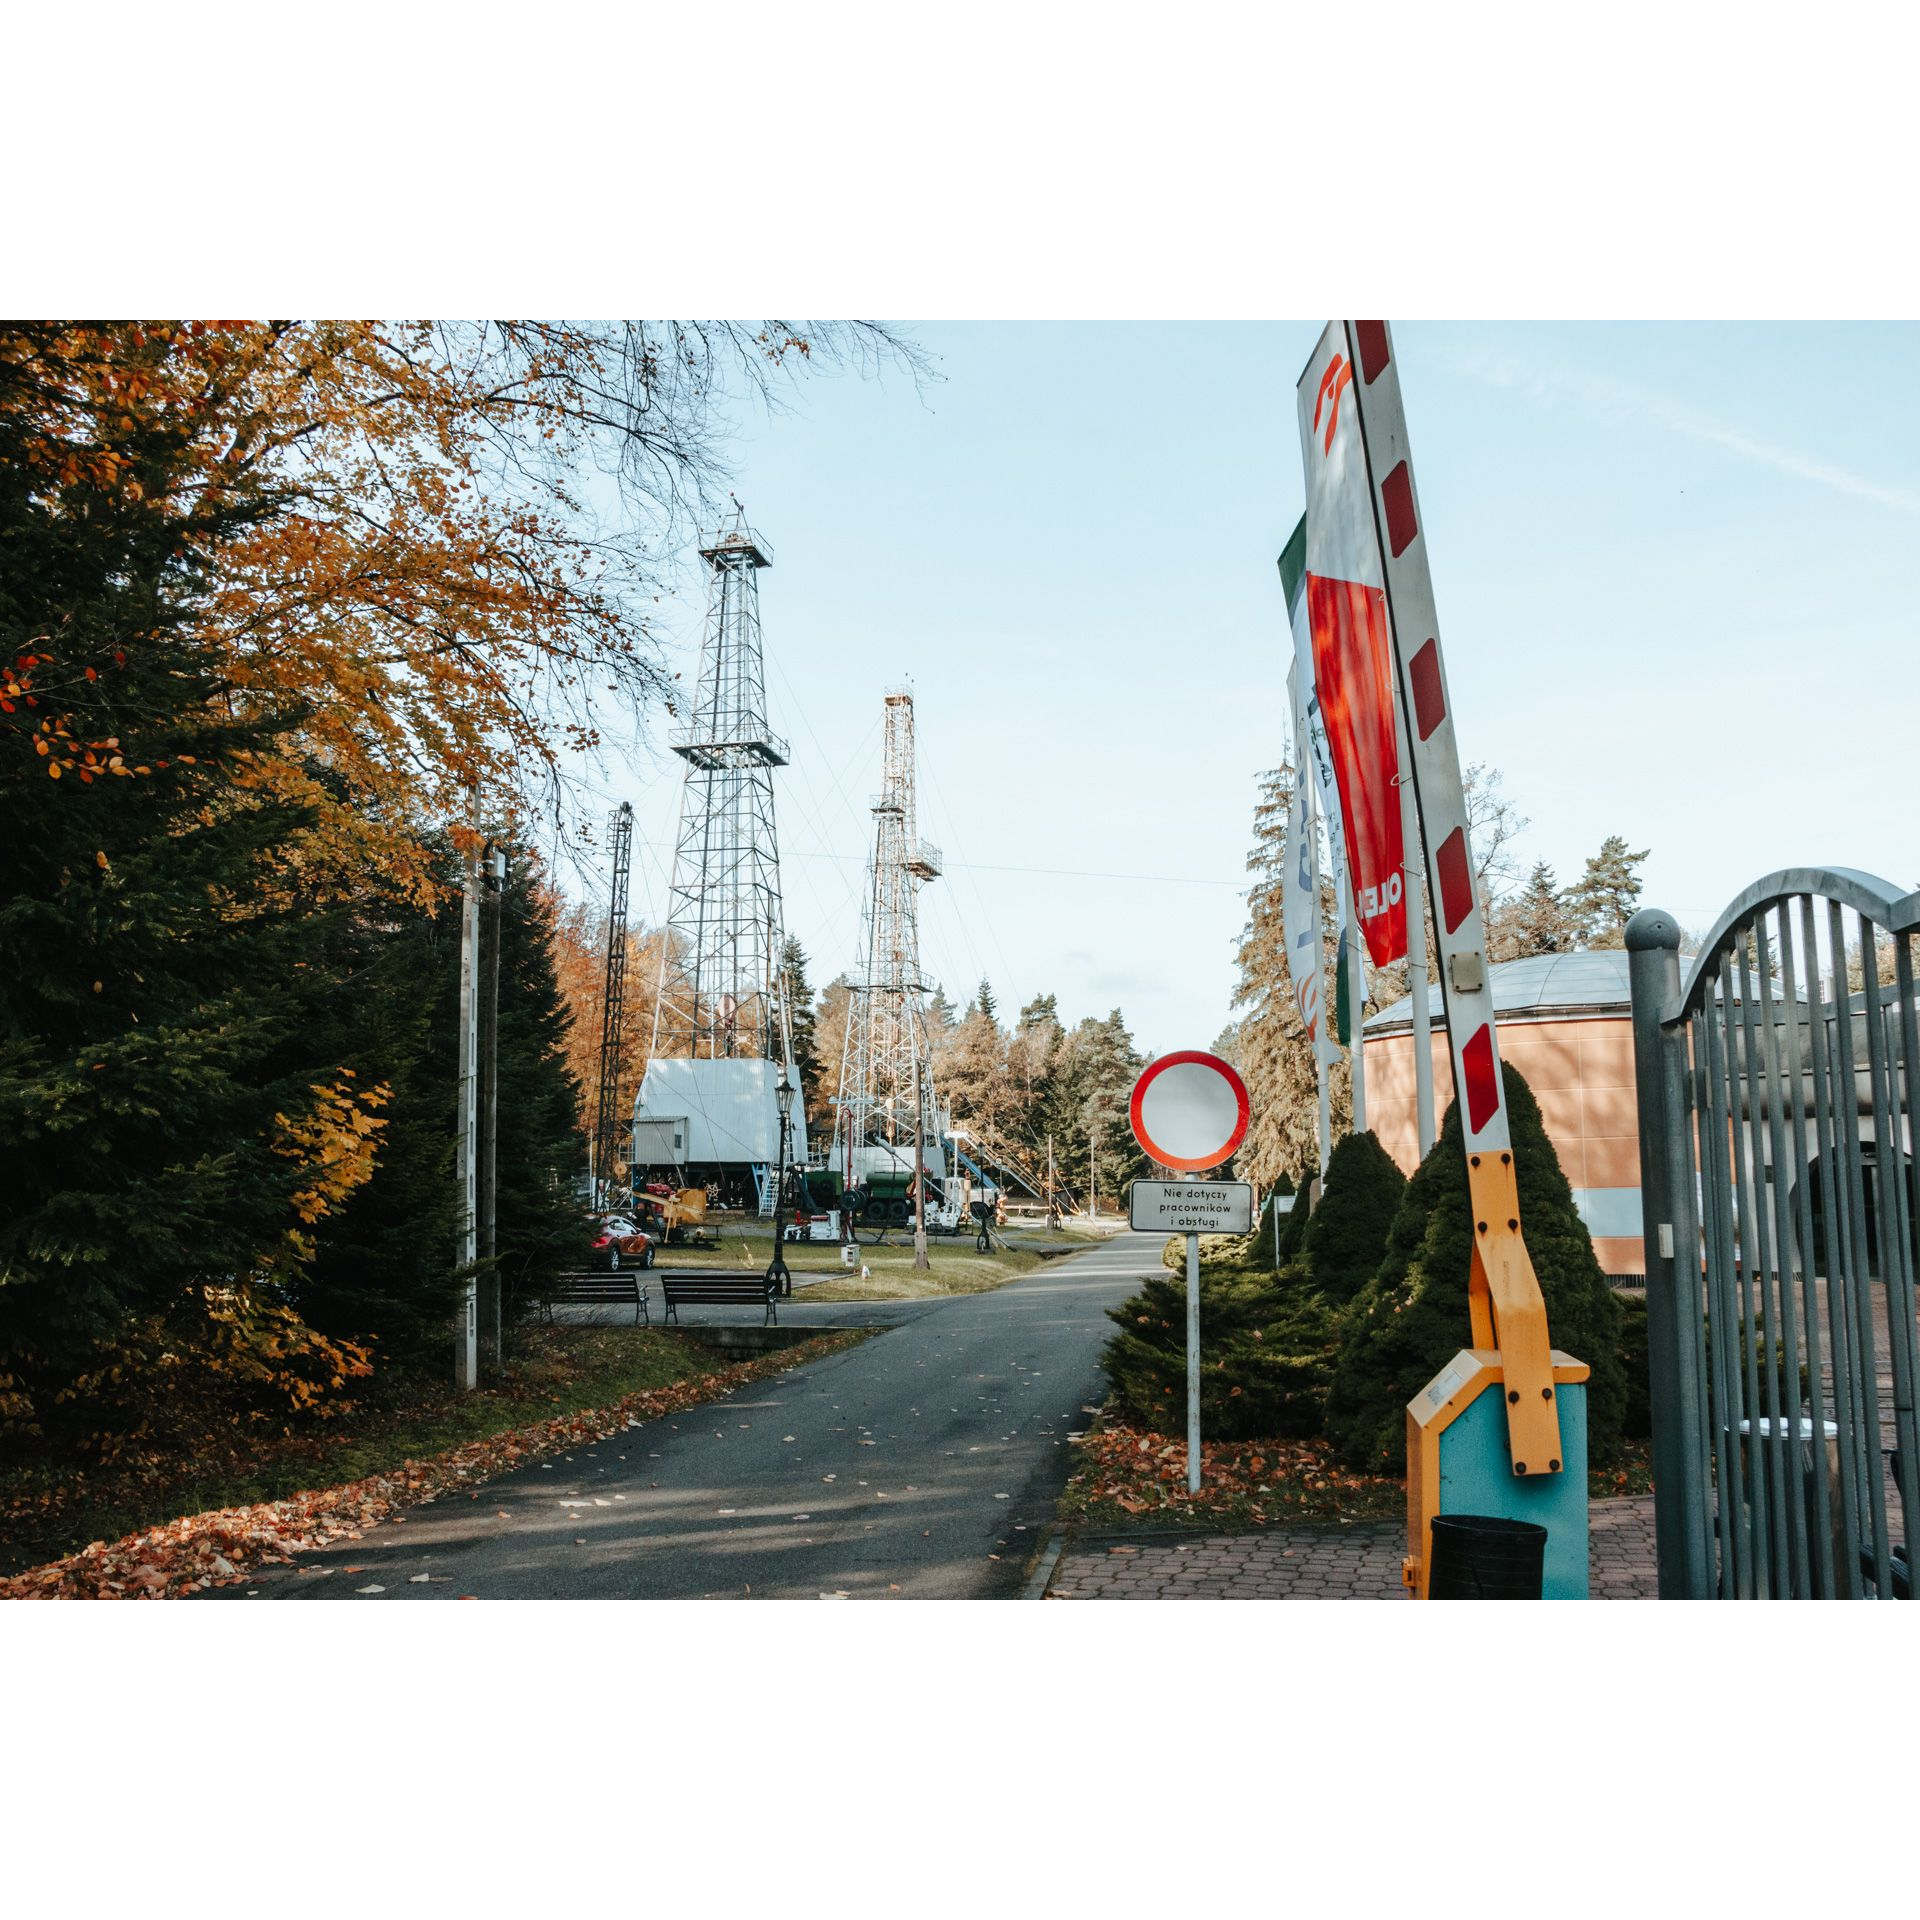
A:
x,y
783,1094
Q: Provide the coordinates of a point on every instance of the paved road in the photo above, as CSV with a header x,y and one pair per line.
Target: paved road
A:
x,y
902,1468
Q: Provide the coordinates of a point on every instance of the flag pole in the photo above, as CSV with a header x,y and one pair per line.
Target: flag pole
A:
x,y
1357,1019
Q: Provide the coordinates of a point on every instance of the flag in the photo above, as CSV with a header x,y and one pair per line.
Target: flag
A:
x,y
1312,750
1300,883
1346,621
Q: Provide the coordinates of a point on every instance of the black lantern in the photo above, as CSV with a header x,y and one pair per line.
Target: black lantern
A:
x,y
777,1271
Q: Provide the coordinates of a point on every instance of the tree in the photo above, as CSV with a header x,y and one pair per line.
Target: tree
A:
x,y
174,1132
1092,1092
1604,898
837,1007
805,1022
420,592
1412,1317
1537,920
540,1154
1275,1055
984,1001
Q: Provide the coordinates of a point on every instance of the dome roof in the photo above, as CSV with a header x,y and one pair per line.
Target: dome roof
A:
x,y
1537,988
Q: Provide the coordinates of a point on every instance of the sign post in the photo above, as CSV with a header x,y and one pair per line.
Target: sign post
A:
x,y
1189,1112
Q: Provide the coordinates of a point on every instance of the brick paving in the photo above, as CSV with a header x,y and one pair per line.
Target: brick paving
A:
x,y
1360,1562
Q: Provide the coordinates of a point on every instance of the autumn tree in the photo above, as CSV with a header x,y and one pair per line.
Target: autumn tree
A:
x,y
1275,1055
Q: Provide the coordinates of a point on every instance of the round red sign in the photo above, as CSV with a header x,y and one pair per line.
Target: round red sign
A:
x,y
1189,1111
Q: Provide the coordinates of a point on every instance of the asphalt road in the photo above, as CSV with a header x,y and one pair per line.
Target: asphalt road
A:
x,y
923,1464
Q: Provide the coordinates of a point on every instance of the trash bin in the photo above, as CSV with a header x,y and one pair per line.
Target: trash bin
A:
x,y
1482,1556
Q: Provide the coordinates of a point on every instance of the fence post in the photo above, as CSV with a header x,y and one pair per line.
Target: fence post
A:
x,y
1681,1524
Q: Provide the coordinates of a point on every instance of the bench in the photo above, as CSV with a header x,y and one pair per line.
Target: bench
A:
x,y
691,1288
603,1289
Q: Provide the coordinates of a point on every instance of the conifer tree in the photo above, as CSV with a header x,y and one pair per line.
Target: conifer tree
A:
x,y
1537,920
1606,896
805,1023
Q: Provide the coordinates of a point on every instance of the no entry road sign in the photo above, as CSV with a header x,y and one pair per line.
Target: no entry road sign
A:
x,y
1190,1206
1189,1111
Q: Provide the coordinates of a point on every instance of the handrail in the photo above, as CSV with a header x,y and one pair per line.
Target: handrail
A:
x,y
1867,894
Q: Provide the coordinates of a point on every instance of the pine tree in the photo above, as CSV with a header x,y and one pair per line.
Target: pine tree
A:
x,y
1090,1098
1538,920
1604,898
540,1155
793,974
984,1001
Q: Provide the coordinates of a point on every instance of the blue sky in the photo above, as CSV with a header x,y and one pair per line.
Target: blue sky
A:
x,y
1672,571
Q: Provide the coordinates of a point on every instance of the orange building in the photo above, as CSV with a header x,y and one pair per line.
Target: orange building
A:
x,y
1565,1025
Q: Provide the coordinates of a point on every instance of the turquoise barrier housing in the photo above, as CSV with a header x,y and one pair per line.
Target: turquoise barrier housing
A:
x,y
1477,1476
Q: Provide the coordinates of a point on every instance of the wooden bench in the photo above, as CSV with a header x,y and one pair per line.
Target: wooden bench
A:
x,y
602,1289
693,1288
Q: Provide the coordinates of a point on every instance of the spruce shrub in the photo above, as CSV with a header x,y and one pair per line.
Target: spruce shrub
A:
x,y
1293,1230
1266,1354
1411,1318
1341,1248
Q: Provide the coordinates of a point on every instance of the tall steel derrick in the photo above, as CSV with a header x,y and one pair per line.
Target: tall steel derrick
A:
x,y
886,1084
719,992
613,1006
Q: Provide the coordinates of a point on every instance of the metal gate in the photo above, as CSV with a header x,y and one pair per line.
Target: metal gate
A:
x,y
1781,1213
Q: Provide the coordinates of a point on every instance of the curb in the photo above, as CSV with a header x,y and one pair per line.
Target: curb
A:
x,y
1042,1576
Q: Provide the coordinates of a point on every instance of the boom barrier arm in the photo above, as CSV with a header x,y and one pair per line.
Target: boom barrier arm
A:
x,y
1505,1304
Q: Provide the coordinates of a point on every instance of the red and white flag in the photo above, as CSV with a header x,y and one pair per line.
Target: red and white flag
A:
x,y
1352,653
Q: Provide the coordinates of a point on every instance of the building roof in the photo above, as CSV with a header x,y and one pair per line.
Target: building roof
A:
x,y
1539,988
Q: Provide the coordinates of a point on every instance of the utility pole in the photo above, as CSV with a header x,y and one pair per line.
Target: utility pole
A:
x,y
1093,1192
1053,1192
466,1347
489,1248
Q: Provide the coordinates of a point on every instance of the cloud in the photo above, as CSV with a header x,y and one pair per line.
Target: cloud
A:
x,y
1622,401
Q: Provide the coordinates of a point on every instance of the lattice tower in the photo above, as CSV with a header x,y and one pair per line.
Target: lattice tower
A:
x,y
719,994
887,1035
613,1006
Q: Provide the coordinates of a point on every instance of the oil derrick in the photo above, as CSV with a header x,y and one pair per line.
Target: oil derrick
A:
x,y
720,1035
885,1075
613,1007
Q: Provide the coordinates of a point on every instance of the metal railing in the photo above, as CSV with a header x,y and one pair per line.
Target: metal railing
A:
x,y
1777,1178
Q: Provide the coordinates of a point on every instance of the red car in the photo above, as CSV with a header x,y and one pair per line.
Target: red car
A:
x,y
619,1241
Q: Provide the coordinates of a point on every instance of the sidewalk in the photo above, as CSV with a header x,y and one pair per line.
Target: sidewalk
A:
x,y
1319,1563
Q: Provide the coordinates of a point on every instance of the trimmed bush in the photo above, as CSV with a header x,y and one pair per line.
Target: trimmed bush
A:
x,y
1343,1245
1412,1317
1266,1355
